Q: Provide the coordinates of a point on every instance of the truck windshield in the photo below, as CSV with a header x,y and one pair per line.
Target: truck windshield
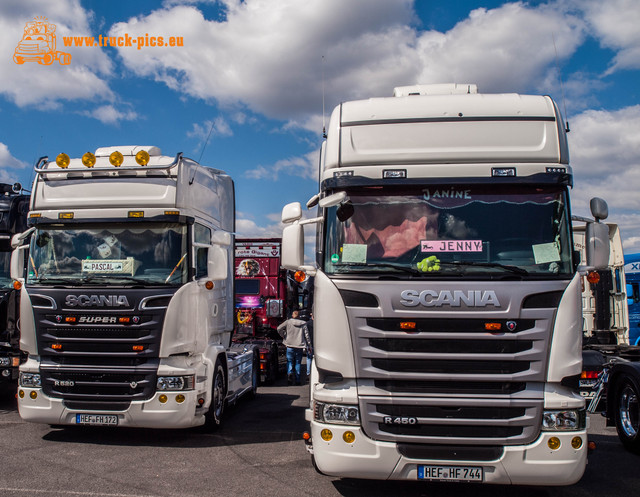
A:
x,y
5,275
109,254
450,231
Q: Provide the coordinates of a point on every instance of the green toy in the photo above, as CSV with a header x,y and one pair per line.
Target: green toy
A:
x,y
431,263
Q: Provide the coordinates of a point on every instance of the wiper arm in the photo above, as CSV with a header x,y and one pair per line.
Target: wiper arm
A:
x,y
125,277
512,269
380,264
58,280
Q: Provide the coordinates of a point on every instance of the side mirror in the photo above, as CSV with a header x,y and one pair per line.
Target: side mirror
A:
x,y
217,263
292,247
599,208
597,245
17,263
291,212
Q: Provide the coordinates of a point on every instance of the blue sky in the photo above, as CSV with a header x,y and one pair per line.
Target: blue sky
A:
x,y
250,72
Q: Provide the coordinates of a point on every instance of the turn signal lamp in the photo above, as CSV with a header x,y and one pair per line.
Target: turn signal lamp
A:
x,y
17,285
326,435
554,443
263,356
142,157
209,285
349,437
300,276
593,277
63,160
492,326
116,159
306,436
576,442
15,362
135,214
88,159
65,215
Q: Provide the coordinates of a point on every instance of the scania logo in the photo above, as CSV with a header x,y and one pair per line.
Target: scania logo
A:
x,y
96,301
455,298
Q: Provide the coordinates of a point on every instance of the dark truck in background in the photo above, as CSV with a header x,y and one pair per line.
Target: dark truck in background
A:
x,y
14,206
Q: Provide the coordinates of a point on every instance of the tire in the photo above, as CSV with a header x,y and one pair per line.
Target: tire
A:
x,y
18,60
47,60
627,410
213,417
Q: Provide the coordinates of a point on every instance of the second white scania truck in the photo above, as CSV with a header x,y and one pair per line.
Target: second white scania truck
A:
x,y
447,313
127,304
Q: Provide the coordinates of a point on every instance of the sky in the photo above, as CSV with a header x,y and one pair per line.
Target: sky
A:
x,y
248,84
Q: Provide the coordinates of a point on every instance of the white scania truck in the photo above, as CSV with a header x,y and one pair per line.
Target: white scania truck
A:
x,y
127,302
447,314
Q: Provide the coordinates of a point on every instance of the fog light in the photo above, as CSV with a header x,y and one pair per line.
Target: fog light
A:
x,y
554,443
163,399
576,442
326,435
6,373
180,398
349,437
116,159
33,394
21,394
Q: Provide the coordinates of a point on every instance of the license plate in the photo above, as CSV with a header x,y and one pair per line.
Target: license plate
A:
x,y
587,383
97,419
450,473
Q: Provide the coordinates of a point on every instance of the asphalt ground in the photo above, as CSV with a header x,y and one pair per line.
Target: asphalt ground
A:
x,y
258,452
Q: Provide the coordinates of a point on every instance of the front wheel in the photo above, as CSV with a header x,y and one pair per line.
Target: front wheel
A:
x,y
628,414
213,417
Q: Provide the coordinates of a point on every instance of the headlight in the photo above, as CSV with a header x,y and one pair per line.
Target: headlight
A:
x,y
337,414
5,361
175,382
569,420
30,380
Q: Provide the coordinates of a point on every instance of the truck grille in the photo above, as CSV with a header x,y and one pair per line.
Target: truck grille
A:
x,y
468,381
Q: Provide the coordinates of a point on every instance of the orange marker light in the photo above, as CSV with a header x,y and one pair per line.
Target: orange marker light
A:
x,y
300,276
492,326
70,319
593,277
124,320
17,285
138,348
407,325
56,346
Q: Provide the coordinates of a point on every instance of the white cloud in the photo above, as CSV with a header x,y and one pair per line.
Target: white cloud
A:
x,y
8,165
108,114
31,83
615,23
305,166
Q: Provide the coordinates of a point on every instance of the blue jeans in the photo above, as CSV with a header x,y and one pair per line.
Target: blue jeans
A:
x,y
309,360
294,360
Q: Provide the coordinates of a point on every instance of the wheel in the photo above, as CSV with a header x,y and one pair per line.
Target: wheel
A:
x,y
628,414
47,60
213,417
64,59
18,60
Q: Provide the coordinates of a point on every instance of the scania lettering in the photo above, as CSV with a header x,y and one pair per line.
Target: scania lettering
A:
x,y
446,309
430,298
127,299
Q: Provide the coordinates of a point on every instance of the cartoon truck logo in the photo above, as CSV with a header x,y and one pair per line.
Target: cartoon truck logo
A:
x,y
39,43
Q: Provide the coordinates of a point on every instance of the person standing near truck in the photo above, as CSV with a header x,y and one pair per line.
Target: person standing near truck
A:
x,y
293,333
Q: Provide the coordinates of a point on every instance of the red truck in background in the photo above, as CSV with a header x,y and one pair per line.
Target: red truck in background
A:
x,y
265,295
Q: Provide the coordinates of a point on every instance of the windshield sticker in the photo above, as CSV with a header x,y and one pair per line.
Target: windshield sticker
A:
x,y
122,266
431,263
352,252
335,258
546,252
451,246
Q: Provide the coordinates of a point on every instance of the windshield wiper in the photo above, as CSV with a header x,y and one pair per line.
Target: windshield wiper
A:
x,y
125,277
512,269
58,280
380,264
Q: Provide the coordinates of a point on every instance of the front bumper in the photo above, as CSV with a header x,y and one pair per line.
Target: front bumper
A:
x,y
533,464
141,414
